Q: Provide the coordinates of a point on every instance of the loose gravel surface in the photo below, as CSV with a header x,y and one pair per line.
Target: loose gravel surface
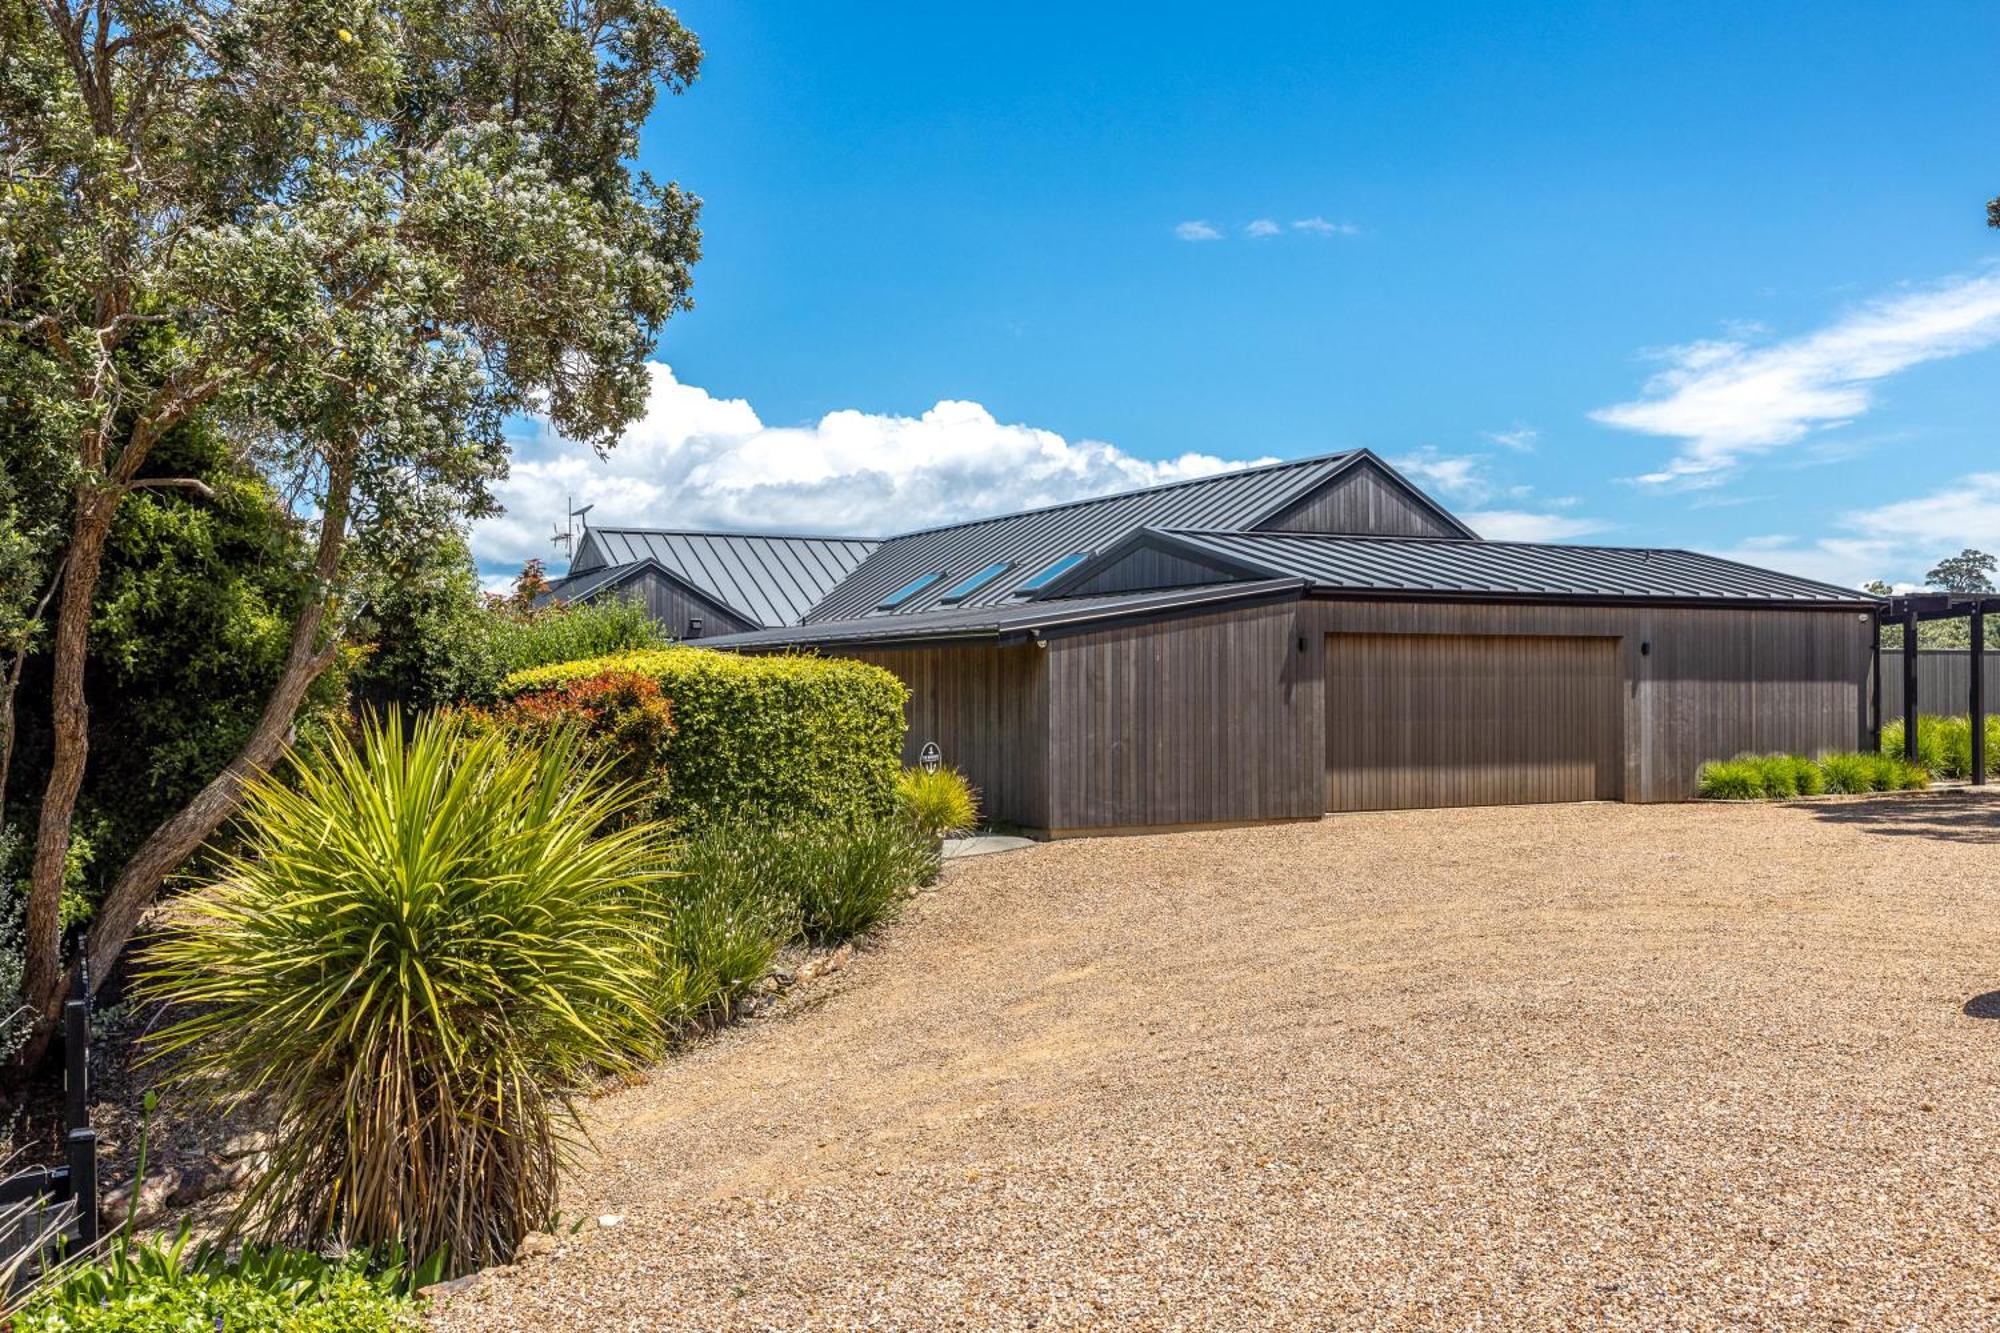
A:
x,y
1590,1066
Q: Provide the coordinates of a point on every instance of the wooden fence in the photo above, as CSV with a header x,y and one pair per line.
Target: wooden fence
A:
x,y
1944,681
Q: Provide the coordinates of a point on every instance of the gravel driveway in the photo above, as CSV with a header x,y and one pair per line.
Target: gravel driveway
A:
x,y
1554,1067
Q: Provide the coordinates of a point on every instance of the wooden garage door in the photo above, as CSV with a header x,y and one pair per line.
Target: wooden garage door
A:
x,y
1422,720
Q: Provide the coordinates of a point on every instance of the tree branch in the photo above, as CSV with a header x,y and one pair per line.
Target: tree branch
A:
x,y
199,487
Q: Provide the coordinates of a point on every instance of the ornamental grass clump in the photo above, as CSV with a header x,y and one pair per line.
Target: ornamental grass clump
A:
x,y
1944,743
938,805
428,941
1740,779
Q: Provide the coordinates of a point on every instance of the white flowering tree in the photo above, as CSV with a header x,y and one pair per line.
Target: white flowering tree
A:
x,y
356,235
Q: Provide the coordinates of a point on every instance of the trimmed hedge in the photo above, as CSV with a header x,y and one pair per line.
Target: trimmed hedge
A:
x,y
781,739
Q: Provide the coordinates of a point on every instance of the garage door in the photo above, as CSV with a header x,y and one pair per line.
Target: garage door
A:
x,y
1423,720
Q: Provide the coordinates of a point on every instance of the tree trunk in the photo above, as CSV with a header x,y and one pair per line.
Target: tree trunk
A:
x,y
69,716
177,839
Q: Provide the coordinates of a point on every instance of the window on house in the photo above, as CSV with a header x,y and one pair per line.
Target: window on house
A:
x,y
972,583
1055,571
906,592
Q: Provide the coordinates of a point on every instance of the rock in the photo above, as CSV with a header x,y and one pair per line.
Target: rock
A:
x,y
198,1181
158,1188
534,1244
246,1143
610,1219
438,1291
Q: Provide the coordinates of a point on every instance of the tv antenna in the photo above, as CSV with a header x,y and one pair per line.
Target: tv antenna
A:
x,y
565,534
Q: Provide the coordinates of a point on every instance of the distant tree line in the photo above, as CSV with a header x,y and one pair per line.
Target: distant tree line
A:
x,y
1969,571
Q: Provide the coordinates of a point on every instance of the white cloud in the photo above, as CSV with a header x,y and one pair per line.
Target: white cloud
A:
x,y
1261,228
1897,542
1727,399
1460,476
1319,226
698,461
1520,525
1521,439
1197,230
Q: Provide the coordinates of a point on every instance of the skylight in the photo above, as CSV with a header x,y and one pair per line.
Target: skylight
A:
x,y
972,583
1055,571
906,592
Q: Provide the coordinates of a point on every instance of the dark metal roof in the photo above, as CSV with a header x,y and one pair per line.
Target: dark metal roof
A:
x,y
1021,620
582,587
773,580
1525,570
1031,540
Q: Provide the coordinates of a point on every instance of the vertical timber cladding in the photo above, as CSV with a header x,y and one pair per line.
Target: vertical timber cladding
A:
x,y
1198,719
1421,721
987,709
1709,683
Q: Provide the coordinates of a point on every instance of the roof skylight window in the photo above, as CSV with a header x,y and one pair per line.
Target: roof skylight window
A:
x,y
1055,571
972,583
907,591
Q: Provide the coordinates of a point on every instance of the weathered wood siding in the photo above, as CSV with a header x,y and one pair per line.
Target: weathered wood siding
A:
x,y
987,709
1221,717
1195,720
1364,499
1713,683
1144,569
675,608
1944,681
1422,721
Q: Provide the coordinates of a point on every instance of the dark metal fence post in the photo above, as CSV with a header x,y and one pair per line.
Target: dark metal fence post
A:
x,y
1875,690
83,1182
82,1142
1910,685
1978,694
76,1063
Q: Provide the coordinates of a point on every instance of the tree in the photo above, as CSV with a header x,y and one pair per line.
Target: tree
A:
x,y
1968,571
356,241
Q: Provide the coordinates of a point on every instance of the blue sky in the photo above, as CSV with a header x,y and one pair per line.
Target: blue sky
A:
x,y
1699,275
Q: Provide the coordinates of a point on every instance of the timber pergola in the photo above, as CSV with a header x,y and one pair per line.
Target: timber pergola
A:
x,y
1910,610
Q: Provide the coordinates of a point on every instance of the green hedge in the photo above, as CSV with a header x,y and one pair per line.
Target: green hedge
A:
x,y
778,739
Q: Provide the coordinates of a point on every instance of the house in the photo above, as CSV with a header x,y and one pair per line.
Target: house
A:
x,y
1279,642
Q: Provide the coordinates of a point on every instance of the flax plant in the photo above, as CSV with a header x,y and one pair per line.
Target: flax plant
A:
x,y
430,941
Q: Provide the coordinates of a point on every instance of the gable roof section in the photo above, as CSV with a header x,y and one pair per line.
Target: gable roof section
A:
x,y
1525,571
615,578
766,579
1366,497
1030,541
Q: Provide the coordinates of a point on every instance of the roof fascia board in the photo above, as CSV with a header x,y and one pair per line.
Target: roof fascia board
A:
x,y
1097,618
1327,592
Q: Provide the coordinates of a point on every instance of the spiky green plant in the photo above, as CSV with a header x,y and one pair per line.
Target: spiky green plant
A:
x,y
427,943
1847,773
938,805
1739,779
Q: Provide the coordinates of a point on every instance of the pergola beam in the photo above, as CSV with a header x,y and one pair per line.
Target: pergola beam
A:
x,y
1910,610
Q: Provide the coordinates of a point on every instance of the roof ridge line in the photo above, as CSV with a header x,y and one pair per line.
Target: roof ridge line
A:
x,y
1245,471
722,532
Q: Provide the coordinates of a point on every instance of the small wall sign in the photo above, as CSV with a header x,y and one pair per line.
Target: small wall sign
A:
x,y
930,758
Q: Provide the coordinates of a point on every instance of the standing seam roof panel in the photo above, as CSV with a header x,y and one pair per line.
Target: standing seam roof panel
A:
x,y
1390,564
1030,541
